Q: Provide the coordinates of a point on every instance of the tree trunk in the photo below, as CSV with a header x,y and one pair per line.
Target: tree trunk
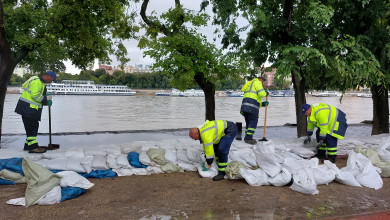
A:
x,y
300,99
380,101
209,95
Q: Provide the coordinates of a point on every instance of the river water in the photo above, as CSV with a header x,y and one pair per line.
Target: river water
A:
x,y
120,119
124,113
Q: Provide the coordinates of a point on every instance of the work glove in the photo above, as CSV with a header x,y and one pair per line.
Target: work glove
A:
x,y
204,168
307,140
49,102
265,103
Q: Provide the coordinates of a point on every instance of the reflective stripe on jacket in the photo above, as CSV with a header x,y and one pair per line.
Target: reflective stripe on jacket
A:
x,y
32,93
211,133
253,92
328,119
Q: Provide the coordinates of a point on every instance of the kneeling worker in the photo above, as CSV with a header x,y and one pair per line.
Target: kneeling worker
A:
x,y
332,125
217,137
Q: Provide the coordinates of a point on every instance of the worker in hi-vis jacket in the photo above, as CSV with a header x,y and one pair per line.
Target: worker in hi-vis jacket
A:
x,y
332,125
30,108
217,137
251,104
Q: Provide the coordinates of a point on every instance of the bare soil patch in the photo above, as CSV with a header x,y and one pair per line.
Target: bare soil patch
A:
x,y
187,195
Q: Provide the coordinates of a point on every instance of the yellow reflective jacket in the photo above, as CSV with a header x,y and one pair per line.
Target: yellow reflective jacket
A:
x,y
253,90
325,117
211,133
32,93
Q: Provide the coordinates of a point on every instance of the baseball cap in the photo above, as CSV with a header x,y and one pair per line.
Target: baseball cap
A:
x,y
305,107
53,75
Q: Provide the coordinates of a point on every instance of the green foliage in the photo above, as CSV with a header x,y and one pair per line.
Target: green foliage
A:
x,y
185,52
43,33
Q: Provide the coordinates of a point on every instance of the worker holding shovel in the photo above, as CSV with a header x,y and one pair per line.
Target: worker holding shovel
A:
x,y
30,108
251,104
332,125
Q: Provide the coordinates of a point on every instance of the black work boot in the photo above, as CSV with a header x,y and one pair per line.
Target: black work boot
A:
x,y
332,158
26,147
219,177
239,132
320,154
251,141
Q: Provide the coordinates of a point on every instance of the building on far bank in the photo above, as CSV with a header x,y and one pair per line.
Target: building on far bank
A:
x,y
20,71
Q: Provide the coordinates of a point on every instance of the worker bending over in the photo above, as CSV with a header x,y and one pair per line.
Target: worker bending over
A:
x,y
251,103
332,125
217,137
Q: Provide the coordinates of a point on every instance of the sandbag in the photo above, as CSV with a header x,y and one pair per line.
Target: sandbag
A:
x,y
39,181
255,177
133,158
73,179
145,159
266,160
210,173
283,178
303,182
99,162
233,170
157,155
13,176
170,156
71,193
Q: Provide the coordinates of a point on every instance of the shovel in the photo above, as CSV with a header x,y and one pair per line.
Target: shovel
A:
x,y
51,146
265,121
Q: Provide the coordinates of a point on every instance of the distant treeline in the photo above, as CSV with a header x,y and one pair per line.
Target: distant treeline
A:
x,y
152,80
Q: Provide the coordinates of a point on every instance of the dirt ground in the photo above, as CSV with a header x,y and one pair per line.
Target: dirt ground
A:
x,y
188,196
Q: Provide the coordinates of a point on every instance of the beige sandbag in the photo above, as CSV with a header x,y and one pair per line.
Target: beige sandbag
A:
x,y
157,155
9,175
39,181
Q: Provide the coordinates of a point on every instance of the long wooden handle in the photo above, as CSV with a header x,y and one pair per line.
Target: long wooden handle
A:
x,y
265,117
49,125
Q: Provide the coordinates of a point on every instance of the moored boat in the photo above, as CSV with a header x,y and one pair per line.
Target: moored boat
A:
x,y
87,87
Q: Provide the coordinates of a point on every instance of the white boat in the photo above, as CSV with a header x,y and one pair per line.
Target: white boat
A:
x,y
176,92
231,93
193,93
366,95
327,94
282,93
163,93
87,87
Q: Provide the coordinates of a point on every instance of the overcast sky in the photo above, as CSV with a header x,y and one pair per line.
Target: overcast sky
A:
x,y
134,53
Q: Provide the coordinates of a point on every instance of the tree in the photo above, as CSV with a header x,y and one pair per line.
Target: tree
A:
x,y
183,53
40,33
301,39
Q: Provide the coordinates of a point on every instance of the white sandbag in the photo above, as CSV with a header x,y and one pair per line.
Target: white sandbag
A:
x,y
140,171
42,162
302,151
56,164
9,175
303,182
113,150
124,171
52,197
265,158
157,155
74,164
73,179
170,156
182,155
283,178
323,175
94,151
210,173
368,176
196,156
294,166
18,201
145,159
111,162
255,177
86,163
55,154
148,145
154,170
346,178
233,170
74,152
187,166
171,168
132,147
99,162
384,150
235,156
123,162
